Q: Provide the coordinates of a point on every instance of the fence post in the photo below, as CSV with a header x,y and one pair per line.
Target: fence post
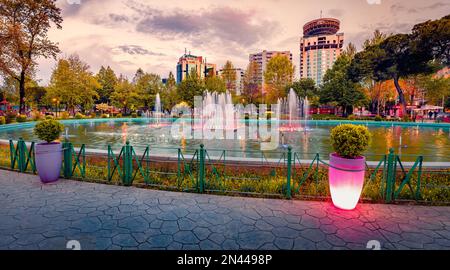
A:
x,y
22,154
179,168
127,164
390,175
289,171
201,172
419,175
109,162
67,148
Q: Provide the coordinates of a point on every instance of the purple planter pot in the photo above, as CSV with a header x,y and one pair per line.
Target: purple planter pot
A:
x,y
48,161
346,186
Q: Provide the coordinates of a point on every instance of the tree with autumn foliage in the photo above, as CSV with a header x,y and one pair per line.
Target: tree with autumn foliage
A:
x,y
125,95
251,92
379,94
24,25
279,74
73,84
229,76
403,55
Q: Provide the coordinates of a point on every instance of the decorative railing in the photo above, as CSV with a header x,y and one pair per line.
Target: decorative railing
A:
x,y
274,173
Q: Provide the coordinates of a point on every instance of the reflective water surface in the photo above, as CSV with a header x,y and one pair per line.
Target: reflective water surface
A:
x,y
432,142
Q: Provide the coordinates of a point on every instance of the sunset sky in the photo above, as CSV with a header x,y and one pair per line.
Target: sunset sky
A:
x,y
128,34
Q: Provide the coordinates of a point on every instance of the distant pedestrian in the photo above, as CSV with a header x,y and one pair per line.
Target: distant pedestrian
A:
x,y
430,114
435,114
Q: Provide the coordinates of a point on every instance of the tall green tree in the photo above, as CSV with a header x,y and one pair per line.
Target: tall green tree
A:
x,y
216,84
10,89
169,95
251,92
147,86
190,87
305,88
73,84
376,39
125,95
338,88
107,80
376,90
138,75
432,39
279,74
404,55
229,76
436,89
23,38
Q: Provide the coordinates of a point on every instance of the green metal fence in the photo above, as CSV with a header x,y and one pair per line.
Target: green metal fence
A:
x,y
273,173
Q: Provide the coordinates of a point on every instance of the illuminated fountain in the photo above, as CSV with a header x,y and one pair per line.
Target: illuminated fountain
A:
x,y
157,113
217,112
291,110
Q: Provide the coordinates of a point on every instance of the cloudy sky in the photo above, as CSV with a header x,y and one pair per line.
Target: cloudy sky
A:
x,y
153,34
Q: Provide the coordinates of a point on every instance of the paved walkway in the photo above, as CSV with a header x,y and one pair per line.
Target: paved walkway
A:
x,y
36,216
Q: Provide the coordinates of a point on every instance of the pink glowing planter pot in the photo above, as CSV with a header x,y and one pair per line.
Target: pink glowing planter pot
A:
x,y
346,180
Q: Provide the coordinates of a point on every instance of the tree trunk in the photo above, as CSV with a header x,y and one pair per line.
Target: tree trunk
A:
x,y
349,110
22,93
401,95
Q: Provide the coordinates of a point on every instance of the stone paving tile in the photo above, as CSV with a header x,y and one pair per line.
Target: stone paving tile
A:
x,y
105,217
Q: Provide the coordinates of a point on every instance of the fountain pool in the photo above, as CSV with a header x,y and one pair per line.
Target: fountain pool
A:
x,y
430,140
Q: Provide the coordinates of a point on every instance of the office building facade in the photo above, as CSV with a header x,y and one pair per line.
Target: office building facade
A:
x,y
190,63
263,58
320,46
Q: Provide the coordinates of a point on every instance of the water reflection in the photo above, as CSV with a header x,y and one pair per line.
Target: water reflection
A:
x,y
432,142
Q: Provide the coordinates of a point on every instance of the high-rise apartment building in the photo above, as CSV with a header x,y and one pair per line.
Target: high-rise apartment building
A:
x,y
320,46
239,86
263,58
190,63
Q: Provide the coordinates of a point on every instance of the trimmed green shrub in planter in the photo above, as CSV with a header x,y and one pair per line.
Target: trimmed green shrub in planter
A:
x,y
105,116
378,118
2,120
21,118
350,141
49,154
48,130
134,115
119,115
49,117
79,116
347,166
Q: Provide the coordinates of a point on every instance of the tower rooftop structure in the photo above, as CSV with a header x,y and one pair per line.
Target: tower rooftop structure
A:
x,y
322,26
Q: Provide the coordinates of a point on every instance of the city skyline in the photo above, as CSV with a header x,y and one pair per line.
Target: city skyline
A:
x,y
127,35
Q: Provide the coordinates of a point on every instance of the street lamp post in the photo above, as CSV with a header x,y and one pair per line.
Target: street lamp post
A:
x,y
56,101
